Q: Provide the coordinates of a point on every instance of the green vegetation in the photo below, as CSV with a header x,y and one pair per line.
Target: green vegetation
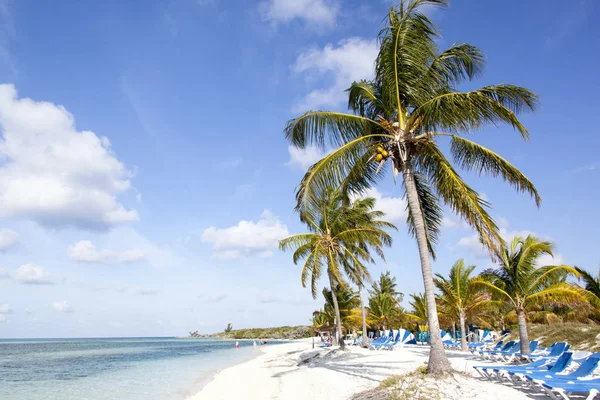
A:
x,y
397,122
522,284
580,336
282,332
229,328
340,240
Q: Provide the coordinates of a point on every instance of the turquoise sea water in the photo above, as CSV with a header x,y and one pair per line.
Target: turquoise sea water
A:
x,y
128,368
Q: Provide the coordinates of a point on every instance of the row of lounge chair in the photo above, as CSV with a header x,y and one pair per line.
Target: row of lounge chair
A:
x,y
395,338
555,370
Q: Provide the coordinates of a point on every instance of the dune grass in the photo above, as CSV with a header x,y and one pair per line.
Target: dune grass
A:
x,y
579,336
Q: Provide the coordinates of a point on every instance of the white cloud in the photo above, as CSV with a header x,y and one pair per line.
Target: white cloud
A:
x,y
315,13
30,274
148,292
247,238
352,60
62,306
546,259
393,207
473,244
8,239
304,158
54,174
85,251
5,309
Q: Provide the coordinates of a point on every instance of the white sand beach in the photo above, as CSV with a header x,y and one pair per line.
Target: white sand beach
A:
x,y
289,371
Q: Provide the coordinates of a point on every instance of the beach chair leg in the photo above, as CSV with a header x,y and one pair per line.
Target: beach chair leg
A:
x,y
592,394
551,394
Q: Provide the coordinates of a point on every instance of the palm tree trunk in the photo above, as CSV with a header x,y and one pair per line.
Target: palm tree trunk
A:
x,y
463,332
438,362
523,335
338,319
364,317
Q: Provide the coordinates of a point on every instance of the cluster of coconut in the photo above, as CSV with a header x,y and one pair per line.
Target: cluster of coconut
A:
x,y
381,154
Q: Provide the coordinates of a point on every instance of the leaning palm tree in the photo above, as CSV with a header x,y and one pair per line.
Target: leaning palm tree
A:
x,y
519,281
338,242
397,123
460,296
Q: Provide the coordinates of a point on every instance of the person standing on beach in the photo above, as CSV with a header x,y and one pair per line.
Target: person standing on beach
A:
x,y
237,345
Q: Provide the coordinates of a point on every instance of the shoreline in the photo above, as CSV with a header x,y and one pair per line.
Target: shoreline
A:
x,y
296,371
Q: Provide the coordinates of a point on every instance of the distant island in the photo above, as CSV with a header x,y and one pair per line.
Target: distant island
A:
x,y
281,332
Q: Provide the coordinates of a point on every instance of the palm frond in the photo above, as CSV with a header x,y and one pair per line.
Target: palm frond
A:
x,y
472,156
463,112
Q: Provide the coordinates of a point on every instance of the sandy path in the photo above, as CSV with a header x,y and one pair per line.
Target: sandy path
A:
x,y
287,372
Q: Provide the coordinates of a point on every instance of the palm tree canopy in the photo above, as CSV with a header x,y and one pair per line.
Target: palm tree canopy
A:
x,y
341,239
519,279
398,118
592,286
347,301
386,284
459,292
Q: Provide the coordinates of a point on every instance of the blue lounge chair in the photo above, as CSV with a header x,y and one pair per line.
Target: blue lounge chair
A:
x,y
384,340
488,353
489,371
480,350
509,352
587,366
553,351
591,387
559,366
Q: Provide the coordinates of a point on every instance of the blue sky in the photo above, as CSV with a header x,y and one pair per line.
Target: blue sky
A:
x,y
145,180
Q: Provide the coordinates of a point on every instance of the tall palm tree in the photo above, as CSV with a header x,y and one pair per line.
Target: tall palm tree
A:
x,y
340,240
364,215
460,296
397,122
519,281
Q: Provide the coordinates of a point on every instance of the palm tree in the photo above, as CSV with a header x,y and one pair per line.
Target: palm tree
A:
x,y
347,301
592,290
397,122
521,283
340,240
383,310
387,284
460,296
364,214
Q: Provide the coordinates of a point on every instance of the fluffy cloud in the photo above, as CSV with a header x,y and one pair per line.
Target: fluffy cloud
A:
x,y
8,239
5,309
550,260
304,158
247,238
473,244
52,173
148,292
315,13
393,207
85,251
62,306
351,60
30,274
